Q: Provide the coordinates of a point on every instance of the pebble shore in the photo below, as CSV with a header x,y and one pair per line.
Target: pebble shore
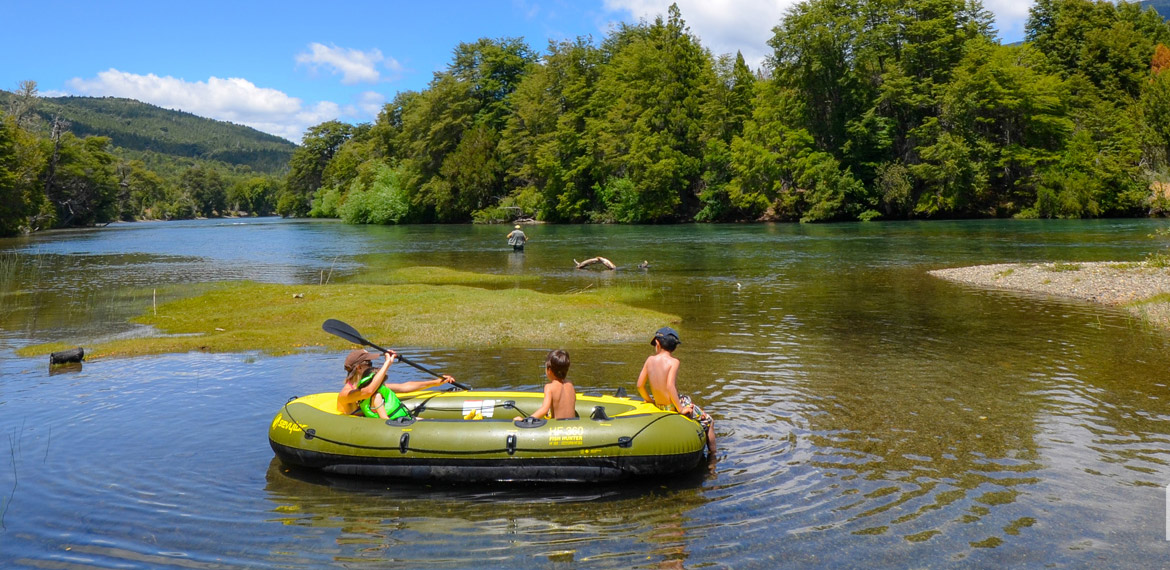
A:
x,y
1137,287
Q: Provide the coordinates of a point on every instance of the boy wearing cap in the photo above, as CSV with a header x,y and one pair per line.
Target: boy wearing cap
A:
x,y
516,239
661,372
358,368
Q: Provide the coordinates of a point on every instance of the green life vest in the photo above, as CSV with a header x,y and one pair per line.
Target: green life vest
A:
x,y
394,407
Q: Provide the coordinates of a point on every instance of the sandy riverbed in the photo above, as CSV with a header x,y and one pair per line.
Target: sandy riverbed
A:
x,y
1137,287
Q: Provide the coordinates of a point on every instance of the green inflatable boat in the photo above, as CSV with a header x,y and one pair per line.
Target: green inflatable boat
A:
x,y
472,436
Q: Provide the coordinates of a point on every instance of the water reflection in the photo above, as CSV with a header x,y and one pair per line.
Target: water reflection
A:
x,y
375,523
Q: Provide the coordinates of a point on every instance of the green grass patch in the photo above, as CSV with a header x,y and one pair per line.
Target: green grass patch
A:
x,y
281,319
1158,260
429,275
1059,267
1159,298
1004,273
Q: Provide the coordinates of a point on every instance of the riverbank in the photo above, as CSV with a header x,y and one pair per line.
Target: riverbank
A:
x,y
1141,289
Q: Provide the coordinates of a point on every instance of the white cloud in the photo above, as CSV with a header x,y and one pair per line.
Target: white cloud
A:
x,y
723,26
727,26
1010,17
234,99
355,66
369,104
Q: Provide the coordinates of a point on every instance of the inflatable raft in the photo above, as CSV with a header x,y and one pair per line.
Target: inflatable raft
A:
x,y
472,436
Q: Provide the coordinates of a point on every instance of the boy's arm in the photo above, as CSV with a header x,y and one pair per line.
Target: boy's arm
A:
x,y
547,404
417,385
671,377
642,377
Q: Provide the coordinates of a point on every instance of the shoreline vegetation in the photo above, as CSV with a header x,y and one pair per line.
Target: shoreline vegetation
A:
x,y
1138,287
873,110
415,307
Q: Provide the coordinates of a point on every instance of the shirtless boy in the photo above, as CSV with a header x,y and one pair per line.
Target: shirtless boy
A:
x,y
559,395
661,372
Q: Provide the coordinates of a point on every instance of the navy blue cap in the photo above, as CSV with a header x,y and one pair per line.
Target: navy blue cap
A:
x,y
666,333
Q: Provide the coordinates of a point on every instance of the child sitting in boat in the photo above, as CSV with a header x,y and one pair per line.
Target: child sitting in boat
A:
x,y
560,397
661,372
362,382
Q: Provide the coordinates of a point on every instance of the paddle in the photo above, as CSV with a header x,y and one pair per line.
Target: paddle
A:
x,y
338,328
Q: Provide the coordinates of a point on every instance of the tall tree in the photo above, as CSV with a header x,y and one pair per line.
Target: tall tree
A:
x,y
544,148
82,184
22,106
814,53
14,199
648,132
308,164
206,188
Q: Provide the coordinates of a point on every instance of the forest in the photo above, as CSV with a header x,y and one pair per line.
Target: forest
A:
x,y
83,161
865,110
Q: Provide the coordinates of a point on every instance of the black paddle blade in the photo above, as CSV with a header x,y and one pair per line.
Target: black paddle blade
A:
x,y
338,328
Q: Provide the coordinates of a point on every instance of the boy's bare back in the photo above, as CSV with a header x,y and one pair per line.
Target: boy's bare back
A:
x,y
564,399
661,372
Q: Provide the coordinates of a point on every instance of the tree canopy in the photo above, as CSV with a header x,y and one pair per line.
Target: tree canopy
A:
x,y
865,109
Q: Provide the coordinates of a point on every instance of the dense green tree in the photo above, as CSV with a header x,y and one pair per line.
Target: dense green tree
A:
x,y
727,104
1110,44
1155,109
206,188
140,190
81,182
778,173
815,48
308,164
492,70
432,127
255,195
1012,119
549,168
15,204
648,131
376,196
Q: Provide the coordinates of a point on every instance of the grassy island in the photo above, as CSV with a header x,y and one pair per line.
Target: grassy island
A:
x,y
422,306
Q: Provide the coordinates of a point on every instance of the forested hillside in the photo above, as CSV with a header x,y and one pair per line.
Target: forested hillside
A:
x,y
1161,6
867,109
137,126
79,161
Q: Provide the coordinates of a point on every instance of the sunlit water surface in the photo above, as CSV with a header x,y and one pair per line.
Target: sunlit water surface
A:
x,y
868,414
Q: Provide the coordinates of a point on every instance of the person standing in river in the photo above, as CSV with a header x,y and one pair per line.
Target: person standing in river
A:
x,y
516,239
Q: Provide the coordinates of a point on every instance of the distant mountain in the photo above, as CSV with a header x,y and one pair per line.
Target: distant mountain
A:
x,y
144,130
1162,6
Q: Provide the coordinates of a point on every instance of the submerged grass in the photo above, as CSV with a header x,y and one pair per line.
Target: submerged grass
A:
x,y
281,319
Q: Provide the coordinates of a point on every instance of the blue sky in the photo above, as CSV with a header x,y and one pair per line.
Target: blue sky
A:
x,y
282,67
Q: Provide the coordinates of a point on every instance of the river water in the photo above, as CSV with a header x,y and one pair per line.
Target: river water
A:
x,y
867,413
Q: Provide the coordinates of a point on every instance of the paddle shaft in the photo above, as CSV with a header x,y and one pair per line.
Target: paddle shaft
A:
x,y
336,327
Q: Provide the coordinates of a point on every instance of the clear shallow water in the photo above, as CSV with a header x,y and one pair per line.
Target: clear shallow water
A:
x,y
868,414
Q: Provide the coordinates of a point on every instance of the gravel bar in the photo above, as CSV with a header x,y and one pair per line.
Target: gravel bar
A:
x,y
1137,287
